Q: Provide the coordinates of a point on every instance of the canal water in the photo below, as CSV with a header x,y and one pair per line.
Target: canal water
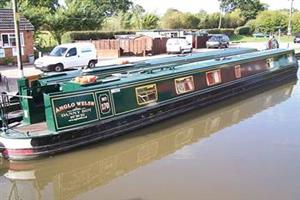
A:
x,y
245,148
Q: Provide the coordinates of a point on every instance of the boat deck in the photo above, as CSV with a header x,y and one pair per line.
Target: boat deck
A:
x,y
33,129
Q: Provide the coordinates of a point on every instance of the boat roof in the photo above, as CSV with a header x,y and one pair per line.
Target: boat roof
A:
x,y
224,52
66,76
118,80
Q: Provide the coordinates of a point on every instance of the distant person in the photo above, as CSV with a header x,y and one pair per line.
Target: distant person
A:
x,y
273,43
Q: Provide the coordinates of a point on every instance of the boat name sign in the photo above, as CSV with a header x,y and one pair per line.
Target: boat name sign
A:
x,y
70,106
71,111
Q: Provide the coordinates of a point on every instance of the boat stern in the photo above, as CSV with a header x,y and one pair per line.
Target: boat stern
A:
x,y
16,149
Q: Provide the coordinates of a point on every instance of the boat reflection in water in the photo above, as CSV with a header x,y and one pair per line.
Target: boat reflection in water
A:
x,y
68,175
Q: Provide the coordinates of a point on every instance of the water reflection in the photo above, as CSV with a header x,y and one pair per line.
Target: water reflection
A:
x,y
66,176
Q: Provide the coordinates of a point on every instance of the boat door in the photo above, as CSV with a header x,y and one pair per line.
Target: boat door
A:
x,y
105,103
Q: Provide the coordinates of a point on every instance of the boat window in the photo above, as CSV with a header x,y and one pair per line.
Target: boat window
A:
x,y
213,77
237,71
184,85
146,94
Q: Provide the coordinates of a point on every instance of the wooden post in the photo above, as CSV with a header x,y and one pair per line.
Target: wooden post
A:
x,y
290,19
17,36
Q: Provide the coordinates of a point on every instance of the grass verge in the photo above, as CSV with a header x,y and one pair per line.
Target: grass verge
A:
x,y
243,38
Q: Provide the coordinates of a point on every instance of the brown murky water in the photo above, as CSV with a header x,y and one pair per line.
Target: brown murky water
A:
x,y
243,149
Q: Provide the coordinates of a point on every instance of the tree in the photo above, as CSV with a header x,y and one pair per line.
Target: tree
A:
x,y
171,19
211,21
202,15
296,22
90,14
249,8
75,15
174,19
137,16
120,21
111,7
4,4
56,23
271,21
82,15
251,24
72,15
189,21
233,19
52,5
150,21
36,15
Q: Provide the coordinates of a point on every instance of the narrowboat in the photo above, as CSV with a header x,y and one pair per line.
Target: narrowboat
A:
x,y
119,157
88,109
51,82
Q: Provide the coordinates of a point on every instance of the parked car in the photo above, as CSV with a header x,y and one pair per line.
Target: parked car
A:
x,y
67,56
179,45
218,41
297,38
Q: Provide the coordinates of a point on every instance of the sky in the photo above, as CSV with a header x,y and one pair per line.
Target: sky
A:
x,y
160,6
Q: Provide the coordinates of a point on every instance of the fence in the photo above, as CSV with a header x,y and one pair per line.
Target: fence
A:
x,y
200,42
134,46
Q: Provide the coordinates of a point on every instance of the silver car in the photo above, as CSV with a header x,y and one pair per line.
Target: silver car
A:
x,y
218,41
179,45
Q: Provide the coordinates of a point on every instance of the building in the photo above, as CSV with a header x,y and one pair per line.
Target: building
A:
x,y
8,40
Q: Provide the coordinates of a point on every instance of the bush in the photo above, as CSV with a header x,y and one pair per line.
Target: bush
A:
x,y
8,60
227,31
296,22
95,35
233,19
44,39
243,30
45,49
270,21
66,38
251,24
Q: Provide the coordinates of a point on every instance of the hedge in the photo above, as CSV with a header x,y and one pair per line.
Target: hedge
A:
x,y
243,30
95,35
227,31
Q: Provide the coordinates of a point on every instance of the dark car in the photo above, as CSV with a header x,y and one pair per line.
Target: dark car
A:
x,y
218,41
297,38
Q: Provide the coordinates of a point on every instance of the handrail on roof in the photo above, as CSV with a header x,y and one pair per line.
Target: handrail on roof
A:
x,y
151,70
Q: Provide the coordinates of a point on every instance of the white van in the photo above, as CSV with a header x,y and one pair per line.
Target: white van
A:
x,y
179,45
67,56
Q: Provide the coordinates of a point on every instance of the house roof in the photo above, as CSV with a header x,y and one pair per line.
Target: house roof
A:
x,y
7,21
